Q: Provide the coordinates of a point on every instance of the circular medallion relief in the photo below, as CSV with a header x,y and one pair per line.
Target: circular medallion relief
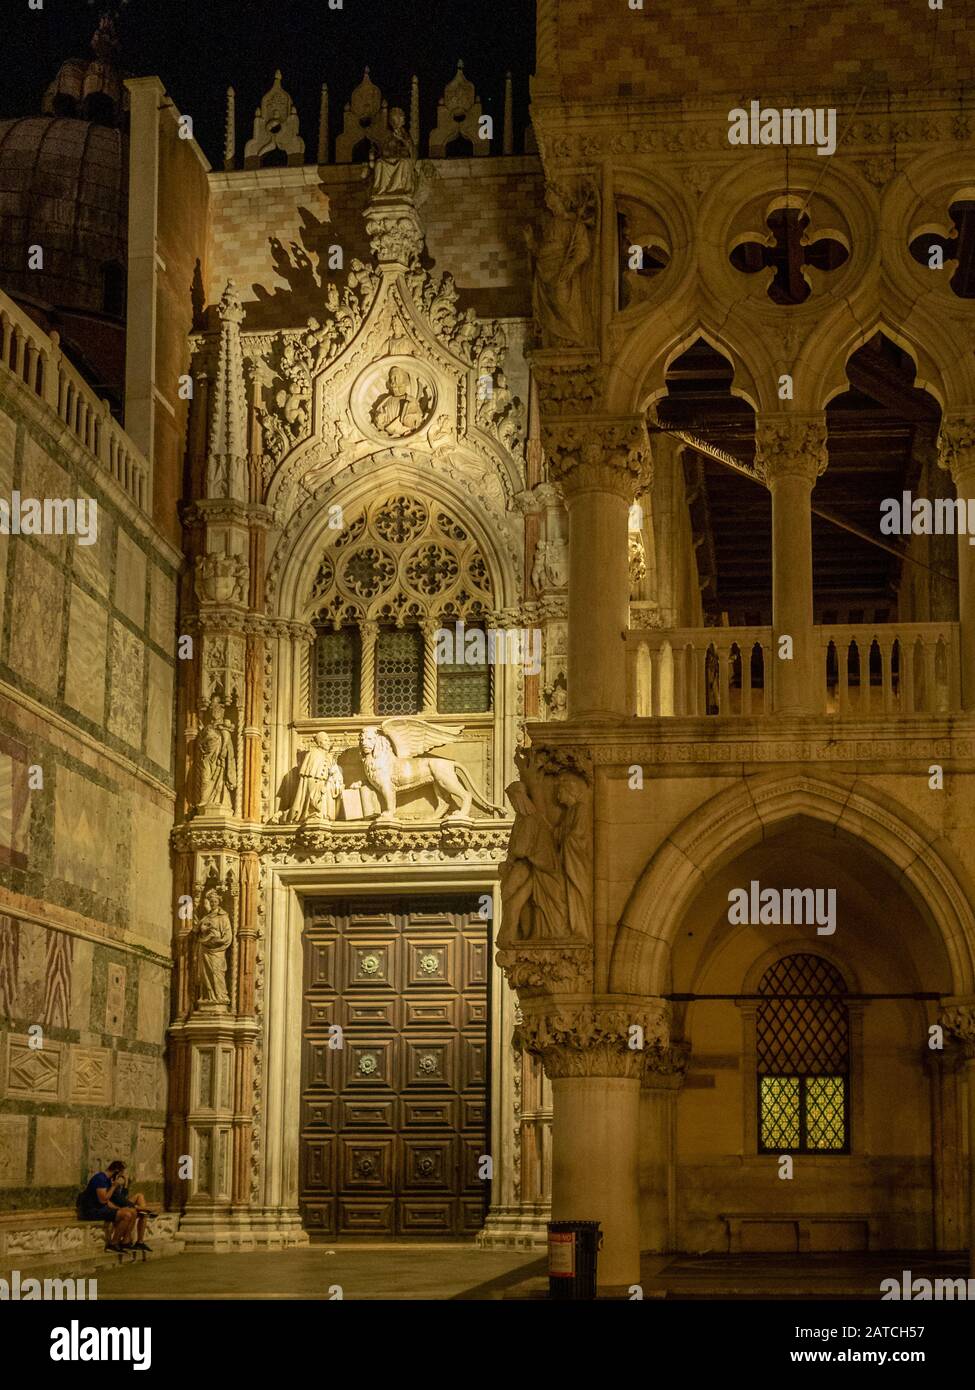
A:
x,y
394,399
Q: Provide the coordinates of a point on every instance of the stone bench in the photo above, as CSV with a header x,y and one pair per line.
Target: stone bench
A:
x,y
799,1232
54,1241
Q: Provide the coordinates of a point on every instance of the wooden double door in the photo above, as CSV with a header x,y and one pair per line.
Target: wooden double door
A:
x,y
394,1083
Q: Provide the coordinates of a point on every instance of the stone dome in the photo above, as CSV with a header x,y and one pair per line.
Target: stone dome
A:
x,y
64,187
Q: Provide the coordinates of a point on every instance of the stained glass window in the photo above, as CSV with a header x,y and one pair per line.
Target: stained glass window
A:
x,y
464,687
803,1055
399,670
337,673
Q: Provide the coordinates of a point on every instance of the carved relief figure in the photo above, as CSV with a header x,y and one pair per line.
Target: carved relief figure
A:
x,y
214,935
403,407
393,762
546,879
320,784
216,759
394,172
559,260
550,567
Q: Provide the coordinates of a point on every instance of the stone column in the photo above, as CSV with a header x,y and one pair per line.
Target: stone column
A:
x,y
368,634
959,1021
429,628
602,463
663,1075
790,454
957,454
587,1051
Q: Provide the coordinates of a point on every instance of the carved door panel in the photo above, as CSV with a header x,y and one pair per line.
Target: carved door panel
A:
x,y
394,1121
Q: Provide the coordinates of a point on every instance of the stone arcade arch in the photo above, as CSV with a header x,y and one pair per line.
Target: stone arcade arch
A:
x,y
733,821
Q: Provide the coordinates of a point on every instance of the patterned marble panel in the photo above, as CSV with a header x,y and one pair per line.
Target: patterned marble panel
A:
x,y
13,1150
125,718
84,686
159,730
35,628
89,833
130,580
57,1151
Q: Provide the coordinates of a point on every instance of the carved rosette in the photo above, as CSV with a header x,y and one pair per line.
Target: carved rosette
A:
x,y
790,446
598,453
958,1020
594,1038
956,445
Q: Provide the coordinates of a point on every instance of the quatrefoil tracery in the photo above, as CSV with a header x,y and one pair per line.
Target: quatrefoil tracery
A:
x,y
788,248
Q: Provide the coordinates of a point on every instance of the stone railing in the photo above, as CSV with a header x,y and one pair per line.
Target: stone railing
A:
x,y
36,359
888,668
700,670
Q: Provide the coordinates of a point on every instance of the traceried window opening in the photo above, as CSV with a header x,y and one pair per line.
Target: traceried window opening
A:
x,y
464,687
399,670
337,673
803,1057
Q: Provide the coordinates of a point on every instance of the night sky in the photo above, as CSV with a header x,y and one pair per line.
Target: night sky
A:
x,y
200,47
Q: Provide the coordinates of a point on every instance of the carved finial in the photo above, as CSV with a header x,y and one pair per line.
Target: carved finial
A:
x,y
415,110
508,138
323,126
230,134
275,128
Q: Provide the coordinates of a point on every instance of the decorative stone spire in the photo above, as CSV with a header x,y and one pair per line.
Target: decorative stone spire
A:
x,y
230,132
323,126
458,115
226,463
275,128
415,111
365,119
508,138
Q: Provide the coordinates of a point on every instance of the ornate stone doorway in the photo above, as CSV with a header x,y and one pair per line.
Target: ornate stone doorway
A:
x,y
394,1071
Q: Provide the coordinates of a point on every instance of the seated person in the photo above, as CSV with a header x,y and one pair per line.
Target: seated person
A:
x,y
138,1205
106,1199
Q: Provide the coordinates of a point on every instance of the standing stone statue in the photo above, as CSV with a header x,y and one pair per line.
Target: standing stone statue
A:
x,y
546,891
320,784
394,172
214,935
559,260
216,760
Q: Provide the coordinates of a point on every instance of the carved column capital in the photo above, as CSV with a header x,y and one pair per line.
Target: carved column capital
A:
x,y
789,445
567,383
598,453
956,444
593,1037
664,1066
959,1021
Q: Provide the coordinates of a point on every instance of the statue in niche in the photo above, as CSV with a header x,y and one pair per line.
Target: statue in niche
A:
x,y
214,934
394,171
320,784
557,698
403,406
559,260
216,759
550,568
546,879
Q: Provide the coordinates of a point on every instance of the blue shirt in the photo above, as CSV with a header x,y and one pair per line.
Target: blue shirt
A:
x,y
91,1203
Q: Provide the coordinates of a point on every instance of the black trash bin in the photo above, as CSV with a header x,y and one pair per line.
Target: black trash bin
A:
x,y
572,1251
